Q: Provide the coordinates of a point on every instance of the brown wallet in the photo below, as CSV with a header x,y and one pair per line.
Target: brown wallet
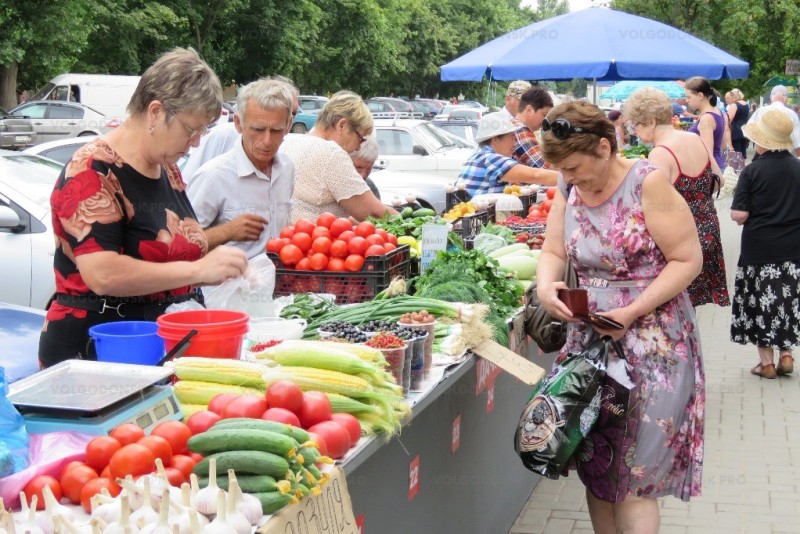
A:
x,y
577,300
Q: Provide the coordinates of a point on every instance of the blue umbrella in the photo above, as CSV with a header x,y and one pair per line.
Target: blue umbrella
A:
x,y
595,43
623,89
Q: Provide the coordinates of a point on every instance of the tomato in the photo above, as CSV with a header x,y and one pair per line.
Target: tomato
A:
x,y
106,473
321,445
336,437
336,264
285,394
304,225
218,402
375,239
291,254
127,433
316,408
347,235
388,247
391,239
340,225
302,241
72,481
196,456
350,422
159,446
201,421
70,465
357,245
176,433
322,244
287,232
100,450
281,415
547,204
383,233
375,250
354,262
37,484
326,219
551,192
183,463
339,249
175,477
93,487
247,405
303,265
319,261
133,459
275,245
320,231
365,228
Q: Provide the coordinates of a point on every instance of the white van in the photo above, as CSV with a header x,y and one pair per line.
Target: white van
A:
x,y
107,93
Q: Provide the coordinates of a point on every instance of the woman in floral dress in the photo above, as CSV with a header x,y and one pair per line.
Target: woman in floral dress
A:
x,y
684,159
127,240
634,245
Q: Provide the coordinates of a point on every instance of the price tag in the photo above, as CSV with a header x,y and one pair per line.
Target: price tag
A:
x,y
455,434
490,398
434,239
413,478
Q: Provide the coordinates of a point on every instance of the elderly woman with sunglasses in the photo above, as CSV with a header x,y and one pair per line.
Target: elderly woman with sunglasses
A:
x,y
127,240
633,242
325,178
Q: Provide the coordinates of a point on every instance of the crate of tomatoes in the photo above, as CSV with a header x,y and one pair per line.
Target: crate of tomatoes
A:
x,y
353,262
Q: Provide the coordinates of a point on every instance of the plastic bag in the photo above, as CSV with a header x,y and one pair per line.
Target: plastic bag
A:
x,y
487,243
13,436
250,293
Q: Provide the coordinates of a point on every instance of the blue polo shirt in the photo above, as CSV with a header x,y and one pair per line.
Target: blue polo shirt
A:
x,y
484,170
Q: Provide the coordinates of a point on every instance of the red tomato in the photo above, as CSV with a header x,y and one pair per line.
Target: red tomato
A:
x,y
127,433
70,465
281,415
133,459
201,421
36,486
336,264
72,481
285,241
365,228
285,394
287,232
159,446
106,473
375,239
100,450
196,456
340,225
336,437
218,402
347,235
176,433
357,245
321,231
183,463
388,247
350,422
547,204
247,405
326,219
551,192
275,245
93,487
303,265
354,262
304,225
322,244
291,254
339,249
302,241
383,233
321,445
175,476
319,261
316,408
375,250
391,239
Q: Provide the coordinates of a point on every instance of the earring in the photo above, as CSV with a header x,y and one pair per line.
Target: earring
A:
x,y
152,128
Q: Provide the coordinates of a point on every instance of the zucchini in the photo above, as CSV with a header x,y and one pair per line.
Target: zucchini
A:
x,y
423,212
246,463
244,423
239,439
248,483
272,501
508,249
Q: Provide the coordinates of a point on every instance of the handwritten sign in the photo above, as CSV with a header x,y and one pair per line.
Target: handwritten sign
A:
x,y
434,239
455,434
330,512
792,67
520,367
413,478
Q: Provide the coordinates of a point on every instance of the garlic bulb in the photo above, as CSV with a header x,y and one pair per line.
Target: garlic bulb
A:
x,y
248,505
411,199
27,523
205,501
123,526
174,492
449,188
182,521
65,527
105,508
134,491
54,508
162,527
396,201
461,186
145,514
220,523
236,519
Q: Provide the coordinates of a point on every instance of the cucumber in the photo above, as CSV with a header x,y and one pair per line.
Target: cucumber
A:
x,y
423,212
310,455
245,463
298,434
272,501
252,424
248,483
314,470
407,213
233,439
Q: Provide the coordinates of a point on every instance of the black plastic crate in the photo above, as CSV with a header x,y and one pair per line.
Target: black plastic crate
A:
x,y
349,287
470,225
527,202
456,197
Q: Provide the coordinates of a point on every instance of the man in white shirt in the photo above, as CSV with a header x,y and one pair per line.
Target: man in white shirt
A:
x,y
778,98
244,196
513,94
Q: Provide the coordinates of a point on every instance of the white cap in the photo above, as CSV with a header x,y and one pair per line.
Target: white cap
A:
x,y
493,125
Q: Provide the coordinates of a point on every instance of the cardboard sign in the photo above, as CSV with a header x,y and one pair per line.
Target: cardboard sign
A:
x,y
413,478
330,512
490,398
792,67
487,372
434,239
455,434
520,367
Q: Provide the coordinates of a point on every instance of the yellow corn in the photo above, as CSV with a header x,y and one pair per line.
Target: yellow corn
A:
x,y
190,409
196,392
221,371
310,379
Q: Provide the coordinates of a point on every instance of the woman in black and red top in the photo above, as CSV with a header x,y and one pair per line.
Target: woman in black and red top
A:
x,y
127,241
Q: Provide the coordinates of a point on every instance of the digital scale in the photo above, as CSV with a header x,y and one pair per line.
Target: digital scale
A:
x,y
94,397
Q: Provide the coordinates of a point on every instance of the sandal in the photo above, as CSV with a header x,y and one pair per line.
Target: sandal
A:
x,y
765,371
785,364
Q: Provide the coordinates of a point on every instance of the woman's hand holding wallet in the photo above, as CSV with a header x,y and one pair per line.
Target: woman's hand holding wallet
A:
x,y
577,301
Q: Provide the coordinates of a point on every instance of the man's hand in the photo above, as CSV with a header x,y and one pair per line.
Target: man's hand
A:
x,y
247,227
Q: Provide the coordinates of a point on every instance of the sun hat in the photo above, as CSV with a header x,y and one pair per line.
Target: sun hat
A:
x,y
773,131
493,125
517,88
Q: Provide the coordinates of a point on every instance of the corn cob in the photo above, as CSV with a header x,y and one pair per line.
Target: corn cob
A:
x,y
310,378
324,358
343,404
196,392
221,371
189,410
366,354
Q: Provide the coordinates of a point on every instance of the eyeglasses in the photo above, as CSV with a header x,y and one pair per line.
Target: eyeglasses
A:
x,y
192,132
361,139
562,129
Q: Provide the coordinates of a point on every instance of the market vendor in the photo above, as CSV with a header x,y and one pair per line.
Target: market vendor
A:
x,y
127,240
491,168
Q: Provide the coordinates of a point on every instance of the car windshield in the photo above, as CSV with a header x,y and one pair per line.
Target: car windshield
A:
x,y
436,138
32,175
42,93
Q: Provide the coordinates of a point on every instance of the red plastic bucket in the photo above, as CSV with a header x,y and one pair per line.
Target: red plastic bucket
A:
x,y
219,332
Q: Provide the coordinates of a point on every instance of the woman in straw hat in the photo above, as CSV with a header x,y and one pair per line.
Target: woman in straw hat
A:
x,y
766,303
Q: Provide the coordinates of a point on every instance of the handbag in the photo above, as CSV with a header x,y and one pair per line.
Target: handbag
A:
x,y
562,411
547,332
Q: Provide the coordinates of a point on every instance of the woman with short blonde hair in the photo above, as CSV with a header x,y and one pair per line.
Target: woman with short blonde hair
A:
x,y
738,112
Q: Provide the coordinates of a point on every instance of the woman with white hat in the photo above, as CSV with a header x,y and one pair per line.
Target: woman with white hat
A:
x,y
766,303
491,167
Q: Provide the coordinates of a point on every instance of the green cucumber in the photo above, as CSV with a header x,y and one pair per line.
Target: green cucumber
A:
x,y
253,424
248,483
272,501
423,212
233,439
407,213
299,434
245,463
310,455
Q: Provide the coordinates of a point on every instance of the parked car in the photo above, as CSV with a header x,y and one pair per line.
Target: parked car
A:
x,y
20,328
60,150
464,129
26,235
304,121
473,104
428,189
451,112
312,103
57,120
15,132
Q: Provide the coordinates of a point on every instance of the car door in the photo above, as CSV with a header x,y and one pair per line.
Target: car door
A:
x,y
37,113
397,147
63,121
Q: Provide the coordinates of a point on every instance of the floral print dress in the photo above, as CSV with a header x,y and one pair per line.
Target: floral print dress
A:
x,y
100,203
653,446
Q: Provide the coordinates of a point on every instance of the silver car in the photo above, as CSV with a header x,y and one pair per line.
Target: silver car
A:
x,y
15,133
60,150
54,119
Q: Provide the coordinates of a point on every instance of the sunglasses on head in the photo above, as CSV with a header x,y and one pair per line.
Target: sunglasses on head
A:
x,y
562,129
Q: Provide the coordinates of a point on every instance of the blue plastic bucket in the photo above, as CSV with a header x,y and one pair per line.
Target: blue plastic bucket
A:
x,y
128,342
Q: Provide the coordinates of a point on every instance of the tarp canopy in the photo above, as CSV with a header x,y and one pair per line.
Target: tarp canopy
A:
x,y
622,90
788,81
595,43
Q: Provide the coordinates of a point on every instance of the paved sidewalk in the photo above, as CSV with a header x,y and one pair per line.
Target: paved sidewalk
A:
x,y
751,474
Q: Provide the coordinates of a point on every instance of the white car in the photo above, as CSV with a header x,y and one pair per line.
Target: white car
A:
x,y
60,150
427,189
27,244
411,145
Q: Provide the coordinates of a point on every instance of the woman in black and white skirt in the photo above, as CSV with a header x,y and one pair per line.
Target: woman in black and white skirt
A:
x,y
766,304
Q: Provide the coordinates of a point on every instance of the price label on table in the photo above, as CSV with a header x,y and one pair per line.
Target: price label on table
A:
x,y
434,239
413,478
455,436
490,398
